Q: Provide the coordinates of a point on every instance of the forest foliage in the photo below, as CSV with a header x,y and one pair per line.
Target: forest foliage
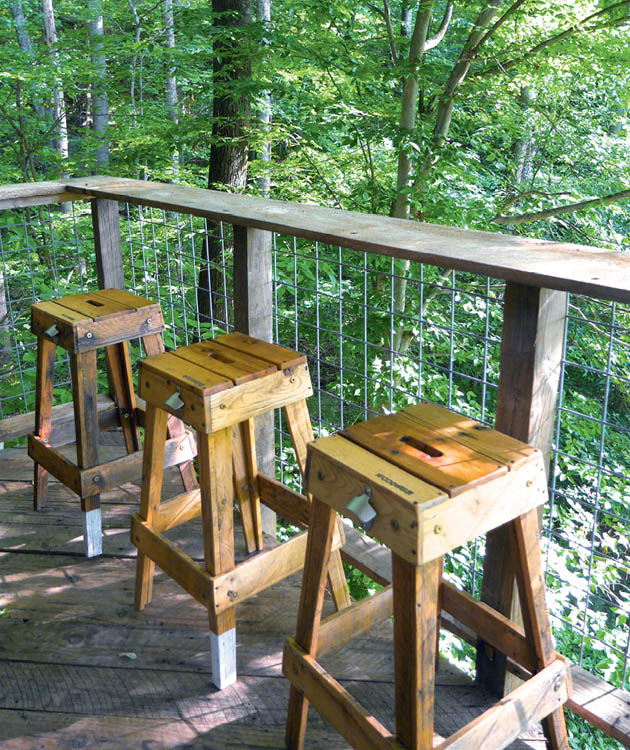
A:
x,y
488,115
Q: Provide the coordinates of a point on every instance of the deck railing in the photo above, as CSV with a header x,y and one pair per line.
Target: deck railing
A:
x,y
489,329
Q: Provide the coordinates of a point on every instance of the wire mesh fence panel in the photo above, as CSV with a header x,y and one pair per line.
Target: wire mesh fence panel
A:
x,y
588,519
379,334
45,252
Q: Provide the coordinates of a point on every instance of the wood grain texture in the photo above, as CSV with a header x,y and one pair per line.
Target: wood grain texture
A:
x,y
62,418
355,619
602,705
244,489
531,352
119,367
152,461
299,425
531,588
498,446
292,506
154,344
501,724
217,495
253,314
333,702
567,267
44,375
107,245
424,452
415,630
318,550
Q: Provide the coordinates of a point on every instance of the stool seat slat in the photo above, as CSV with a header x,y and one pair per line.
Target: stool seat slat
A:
x,y
184,374
220,363
424,452
95,306
276,355
495,445
247,361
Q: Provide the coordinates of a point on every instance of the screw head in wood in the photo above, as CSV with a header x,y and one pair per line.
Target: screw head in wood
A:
x,y
149,321
437,529
222,406
529,482
89,335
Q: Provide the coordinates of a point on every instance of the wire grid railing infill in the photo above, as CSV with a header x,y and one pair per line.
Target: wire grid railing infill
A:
x,y
339,307
44,254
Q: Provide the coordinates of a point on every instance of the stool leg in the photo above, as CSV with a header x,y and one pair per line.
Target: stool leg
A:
x,y
416,592
217,493
83,372
43,412
531,586
320,536
153,344
117,357
152,471
245,483
301,431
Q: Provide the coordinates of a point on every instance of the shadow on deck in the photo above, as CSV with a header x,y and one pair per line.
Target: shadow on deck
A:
x,y
81,668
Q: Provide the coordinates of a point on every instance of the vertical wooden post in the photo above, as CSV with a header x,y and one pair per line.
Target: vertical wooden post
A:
x,y
531,355
253,315
107,243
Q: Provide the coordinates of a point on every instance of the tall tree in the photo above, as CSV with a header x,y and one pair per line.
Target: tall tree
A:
x,y
170,84
59,105
100,112
229,147
263,113
24,42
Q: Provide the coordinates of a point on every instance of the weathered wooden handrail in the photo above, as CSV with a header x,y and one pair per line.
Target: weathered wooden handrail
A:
x,y
596,272
538,276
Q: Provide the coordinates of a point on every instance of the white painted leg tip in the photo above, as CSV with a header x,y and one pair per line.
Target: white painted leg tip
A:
x,y
92,533
223,658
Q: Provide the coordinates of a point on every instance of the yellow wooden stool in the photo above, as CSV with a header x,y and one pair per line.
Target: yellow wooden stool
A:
x,y
218,387
424,481
81,324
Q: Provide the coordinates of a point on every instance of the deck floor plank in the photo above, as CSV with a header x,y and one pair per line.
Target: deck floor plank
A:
x,y
69,623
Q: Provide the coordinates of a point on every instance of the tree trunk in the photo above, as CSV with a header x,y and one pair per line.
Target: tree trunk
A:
x,y
524,149
24,43
263,115
408,108
100,112
229,147
59,108
170,84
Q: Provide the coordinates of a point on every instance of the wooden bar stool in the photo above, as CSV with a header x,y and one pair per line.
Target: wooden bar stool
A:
x,y
81,324
218,387
424,481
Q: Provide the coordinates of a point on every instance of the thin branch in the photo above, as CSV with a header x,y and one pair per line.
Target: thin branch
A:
x,y
439,34
500,21
525,194
558,210
390,32
576,28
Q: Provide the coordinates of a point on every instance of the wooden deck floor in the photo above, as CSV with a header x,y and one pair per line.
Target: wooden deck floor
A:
x,y
80,668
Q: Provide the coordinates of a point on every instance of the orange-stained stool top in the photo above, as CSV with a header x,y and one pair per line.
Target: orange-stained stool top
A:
x,y
81,322
197,383
428,478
